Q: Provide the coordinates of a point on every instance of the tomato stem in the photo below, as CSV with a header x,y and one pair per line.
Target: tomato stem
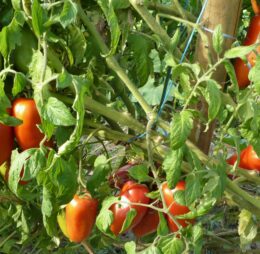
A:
x,y
87,247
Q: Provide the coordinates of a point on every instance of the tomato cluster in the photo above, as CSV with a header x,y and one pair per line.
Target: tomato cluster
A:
x,y
242,68
27,134
249,160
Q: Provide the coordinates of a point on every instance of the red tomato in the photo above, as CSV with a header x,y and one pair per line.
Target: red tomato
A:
x,y
241,68
175,208
255,6
248,159
81,215
131,192
27,134
148,224
6,143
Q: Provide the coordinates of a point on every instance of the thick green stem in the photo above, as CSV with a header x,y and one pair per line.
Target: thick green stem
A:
x,y
170,10
112,62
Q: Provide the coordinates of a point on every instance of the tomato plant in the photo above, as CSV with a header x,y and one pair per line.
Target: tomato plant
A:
x,y
109,82
81,214
131,192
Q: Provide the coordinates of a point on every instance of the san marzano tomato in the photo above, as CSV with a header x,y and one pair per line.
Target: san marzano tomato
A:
x,y
148,224
241,68
131,192
81,215
175,208
27,134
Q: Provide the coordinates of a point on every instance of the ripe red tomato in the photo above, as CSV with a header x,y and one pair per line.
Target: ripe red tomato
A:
x,y
248,159
81,215
130,192
148,224
175,208
6,143
27,134
241,68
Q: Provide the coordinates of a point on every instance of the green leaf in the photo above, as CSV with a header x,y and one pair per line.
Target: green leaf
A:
x,y
35,69
192,189
56,112
77,44
140,173
120,4
64,80
129,219
68,14
18,160
240,51
197,238
81,86
141,48
232,74
34,165
171,245
218,39
179,197
181,126
10,36
19,83
130,247
172,166
108,10
213,98
162,227
100,172
105,216
37,18
247,228
254,75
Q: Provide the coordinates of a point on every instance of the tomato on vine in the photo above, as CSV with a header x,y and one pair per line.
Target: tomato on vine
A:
x,y
131,192
175,208
242,68
27,134
6,143
81,215
148,224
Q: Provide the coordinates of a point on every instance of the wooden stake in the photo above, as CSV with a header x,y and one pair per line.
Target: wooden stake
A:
x,y
226,13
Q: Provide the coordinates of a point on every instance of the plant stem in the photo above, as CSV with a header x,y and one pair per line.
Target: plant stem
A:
x,y
170,10
87,247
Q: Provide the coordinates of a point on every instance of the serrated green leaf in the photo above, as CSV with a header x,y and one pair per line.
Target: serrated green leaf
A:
x,y
37,18
181,126
105,216
162,227
130,247
108,10
192,189
140,173
172,166
213,98
247,228
129,219
142,63
56,112
64,80
240,51
218,39
68,14
254,75
171,245
19,83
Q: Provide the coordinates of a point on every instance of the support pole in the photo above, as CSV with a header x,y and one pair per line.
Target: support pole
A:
x,y
226,13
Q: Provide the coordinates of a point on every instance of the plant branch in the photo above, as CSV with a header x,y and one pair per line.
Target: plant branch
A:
x,y
111,61
87,247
